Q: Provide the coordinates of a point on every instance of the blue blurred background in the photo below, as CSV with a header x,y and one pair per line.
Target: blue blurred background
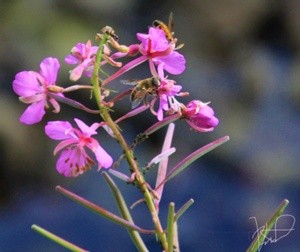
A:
x,y
243,56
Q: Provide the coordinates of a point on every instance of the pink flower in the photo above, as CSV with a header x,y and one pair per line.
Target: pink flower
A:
x,y
167,90
157,50
32,87
74,159
160,51
83,55
200,116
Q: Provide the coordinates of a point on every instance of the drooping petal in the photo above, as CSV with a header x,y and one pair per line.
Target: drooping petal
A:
x,y
59,130
34,113
103,158
55,105
49,68
63,164
73,162
26,84
163,105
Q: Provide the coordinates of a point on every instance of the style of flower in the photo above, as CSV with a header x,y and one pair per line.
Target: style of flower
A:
x,y
83,55
32,87
74,159
200,116
160,51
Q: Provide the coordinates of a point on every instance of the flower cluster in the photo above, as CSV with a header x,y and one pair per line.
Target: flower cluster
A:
x,y
40,89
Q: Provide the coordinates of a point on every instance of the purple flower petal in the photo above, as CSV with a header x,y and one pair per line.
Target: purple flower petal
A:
x,y
88,131
174,63
71,59
49,68
76,73
59,130
34,113
103,158
26,84
65,162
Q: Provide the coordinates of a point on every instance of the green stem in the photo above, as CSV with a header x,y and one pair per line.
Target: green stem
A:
x,y
170,228
104,113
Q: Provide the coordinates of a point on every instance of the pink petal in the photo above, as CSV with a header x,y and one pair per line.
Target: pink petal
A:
x,y
77,72
159,40
174,63
73,162
71,59
64,163
59,130
26,84
65,143
34,113
103,158
88,131
55,105
93,50
49,68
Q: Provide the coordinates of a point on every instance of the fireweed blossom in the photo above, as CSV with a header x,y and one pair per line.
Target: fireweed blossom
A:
x,y
160,51
155,48
83,55
200,116
32,87
166,91
74,159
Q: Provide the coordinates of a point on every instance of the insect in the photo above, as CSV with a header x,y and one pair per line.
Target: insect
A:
x,y
110,31
142,89
167,29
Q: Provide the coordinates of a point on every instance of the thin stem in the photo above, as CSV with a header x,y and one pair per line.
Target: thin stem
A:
x,y
104,113
183,209
171,226
57,239
73,103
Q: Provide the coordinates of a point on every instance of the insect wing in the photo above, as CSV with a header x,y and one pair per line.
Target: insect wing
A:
x,y
171,23
129,82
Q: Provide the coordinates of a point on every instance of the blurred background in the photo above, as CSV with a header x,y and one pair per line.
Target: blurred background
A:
x,y
243,56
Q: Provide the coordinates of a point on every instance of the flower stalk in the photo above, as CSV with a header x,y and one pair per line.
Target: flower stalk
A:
x,y
139,178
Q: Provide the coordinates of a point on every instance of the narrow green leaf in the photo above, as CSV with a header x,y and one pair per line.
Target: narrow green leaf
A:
x,y
57,239
170,226
191,158
135,236
183,209
263,233
101,211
